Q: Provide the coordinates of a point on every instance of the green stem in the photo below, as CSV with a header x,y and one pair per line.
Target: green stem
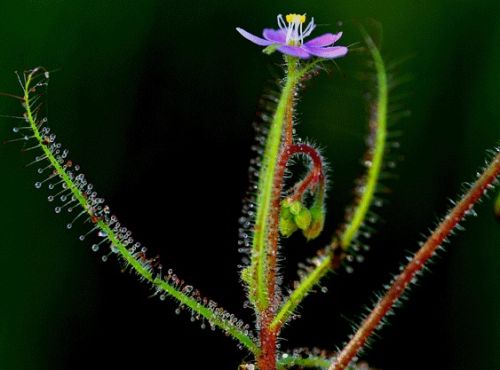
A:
x,y
310,361
324,264
287,309
379,123
260,248
138,267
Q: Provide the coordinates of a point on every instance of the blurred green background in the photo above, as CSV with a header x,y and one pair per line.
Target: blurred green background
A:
x,y
155,100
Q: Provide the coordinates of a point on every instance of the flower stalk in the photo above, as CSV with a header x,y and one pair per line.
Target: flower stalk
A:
x,y
330,258
261,250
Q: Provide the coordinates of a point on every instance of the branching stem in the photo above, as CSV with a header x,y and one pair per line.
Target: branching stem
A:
x,y
314,176
279,149
333,253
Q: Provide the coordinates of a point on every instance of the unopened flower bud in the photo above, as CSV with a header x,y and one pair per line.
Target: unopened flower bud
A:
x,y
317,222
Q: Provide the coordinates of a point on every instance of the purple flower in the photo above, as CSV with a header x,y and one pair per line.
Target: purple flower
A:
x,y
289,39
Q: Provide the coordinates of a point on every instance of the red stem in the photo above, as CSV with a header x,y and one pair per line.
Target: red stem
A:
x,y
312,178
315,174
267,359
398,287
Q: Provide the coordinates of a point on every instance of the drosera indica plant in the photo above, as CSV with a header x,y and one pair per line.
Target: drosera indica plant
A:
x,y
276,207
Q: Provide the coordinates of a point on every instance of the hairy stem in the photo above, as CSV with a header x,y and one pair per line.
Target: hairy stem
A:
x,y
332,255
314,176
260,248
417,263
289,306
309,361
378,125
279,149
121,248
272,238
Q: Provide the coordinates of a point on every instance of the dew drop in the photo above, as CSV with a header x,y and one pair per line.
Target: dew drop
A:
x,y
324,289
177,311
15,129
38,185
57,210
51,186
81,238
349,269
162,297
69,226
50,198
104,258
95,247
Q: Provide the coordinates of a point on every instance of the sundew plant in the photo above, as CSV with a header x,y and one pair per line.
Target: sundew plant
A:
x,y
288,193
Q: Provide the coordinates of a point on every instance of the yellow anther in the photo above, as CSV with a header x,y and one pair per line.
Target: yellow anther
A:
x,y
296,18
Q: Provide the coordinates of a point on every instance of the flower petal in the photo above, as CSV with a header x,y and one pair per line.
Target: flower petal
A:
x,y
294,51
277,36
327,53
324,40
255,39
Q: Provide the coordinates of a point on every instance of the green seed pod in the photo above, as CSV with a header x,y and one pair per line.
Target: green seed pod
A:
x,y
317,223
285,211
303,219
287,226
295,207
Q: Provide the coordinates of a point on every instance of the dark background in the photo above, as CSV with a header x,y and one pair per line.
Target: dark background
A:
x,y
155,99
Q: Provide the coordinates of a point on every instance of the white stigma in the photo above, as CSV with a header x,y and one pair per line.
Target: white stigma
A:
x,y
295,33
